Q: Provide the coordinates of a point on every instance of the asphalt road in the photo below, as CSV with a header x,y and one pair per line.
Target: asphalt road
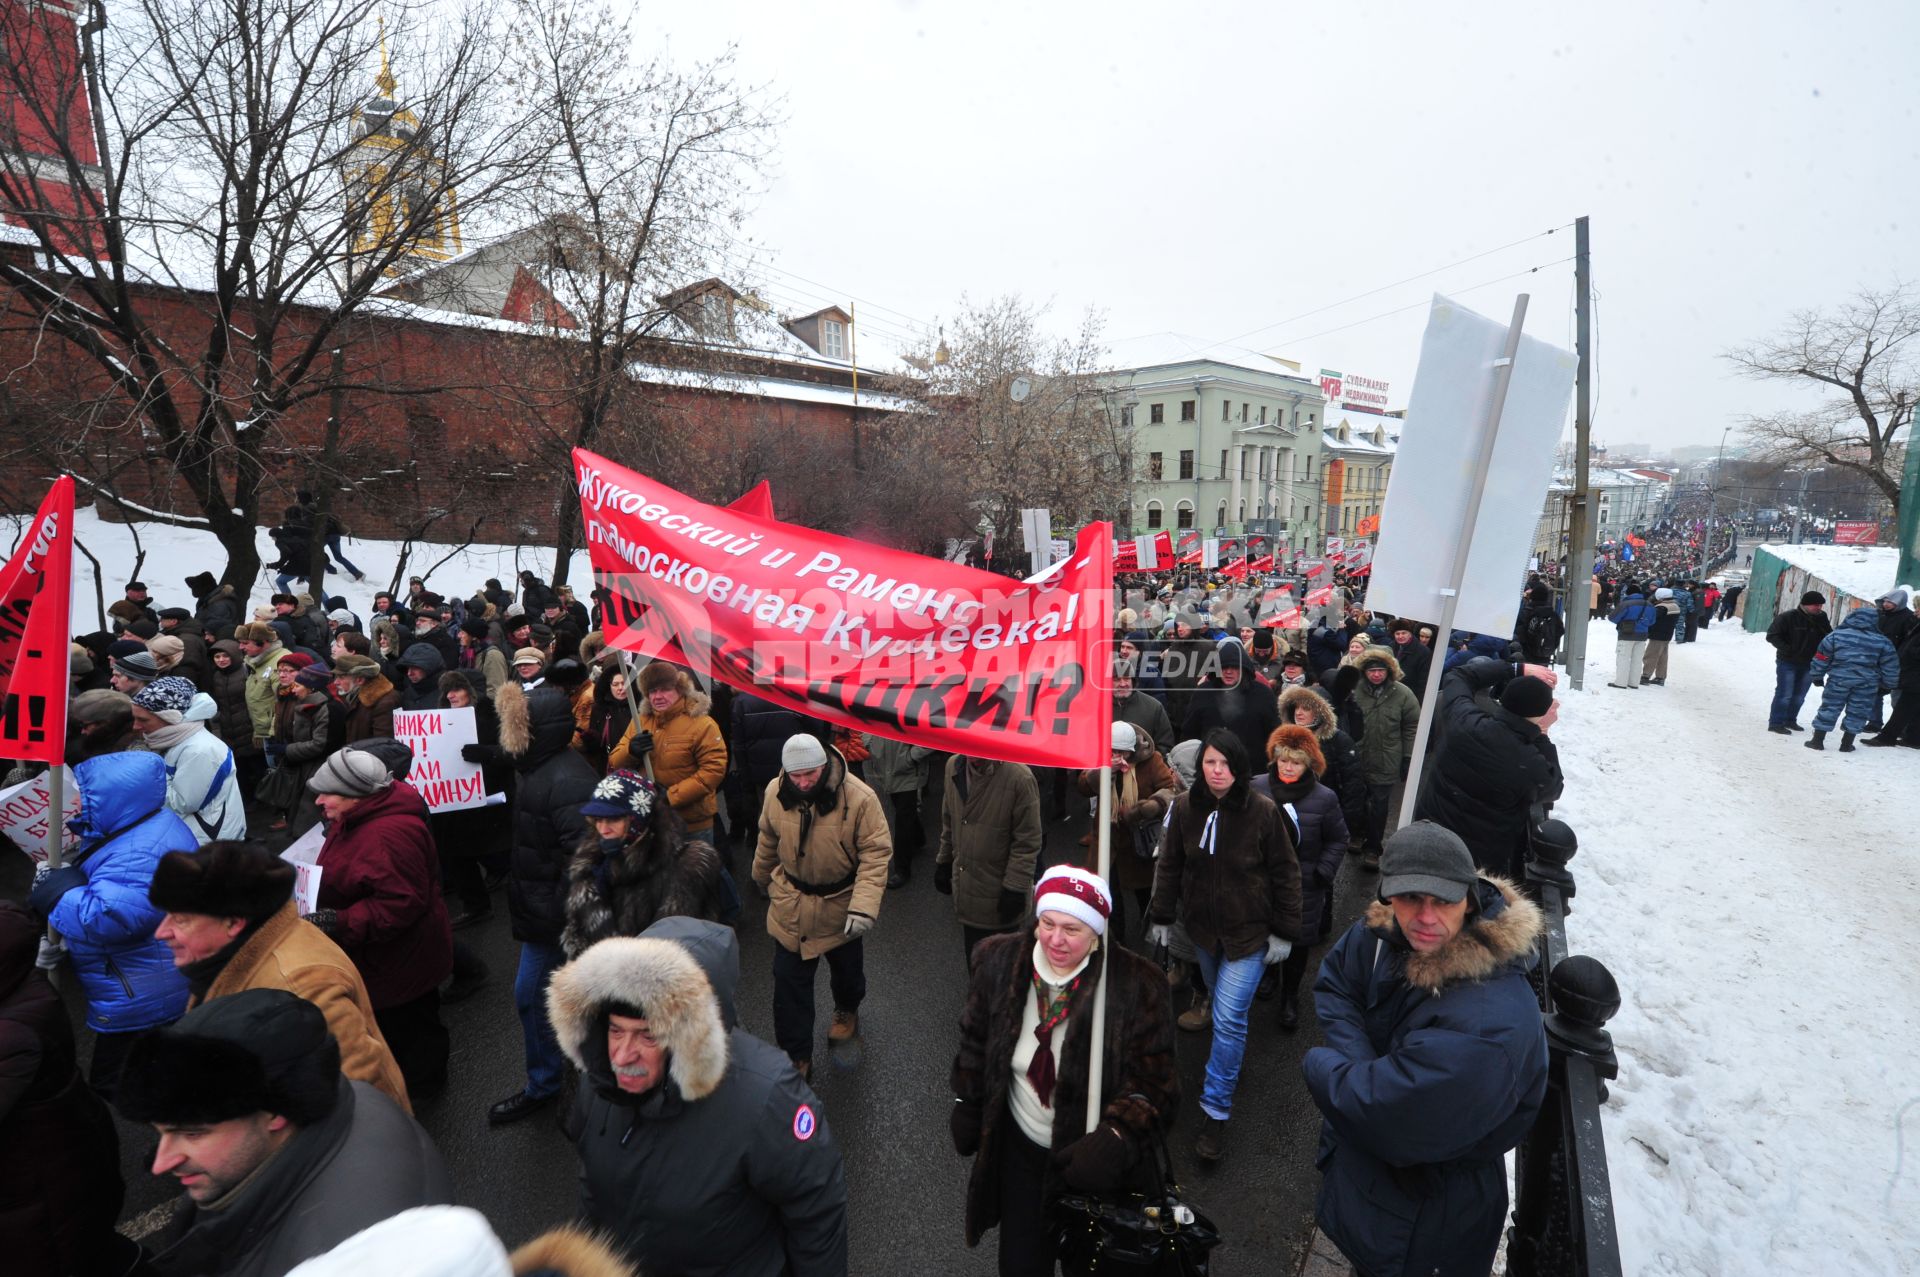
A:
x,y
885,1097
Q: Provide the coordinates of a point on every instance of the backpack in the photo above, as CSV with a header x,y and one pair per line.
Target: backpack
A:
x,y
1538,637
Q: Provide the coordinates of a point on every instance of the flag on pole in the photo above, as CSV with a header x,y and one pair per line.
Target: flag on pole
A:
x,y
36,602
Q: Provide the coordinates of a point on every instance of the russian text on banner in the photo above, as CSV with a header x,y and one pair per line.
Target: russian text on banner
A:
x,y
878,640
36,600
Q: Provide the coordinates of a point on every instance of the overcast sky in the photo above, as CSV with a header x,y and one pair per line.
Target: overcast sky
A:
x,y
1222,170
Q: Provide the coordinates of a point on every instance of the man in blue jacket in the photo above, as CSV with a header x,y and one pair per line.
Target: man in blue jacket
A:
x,y
1435,1064
98,903
1631,621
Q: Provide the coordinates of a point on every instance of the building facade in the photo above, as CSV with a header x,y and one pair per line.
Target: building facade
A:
x,y
1359,449
1224,446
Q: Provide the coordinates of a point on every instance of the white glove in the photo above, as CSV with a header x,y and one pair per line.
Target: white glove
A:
x,y
52,952
1160,933
858,924
1277,950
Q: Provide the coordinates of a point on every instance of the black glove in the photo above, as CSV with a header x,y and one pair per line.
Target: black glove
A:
x,y
1097,1162
965,1123
479,753
328,920
58,882
641,745
1013,904
943,878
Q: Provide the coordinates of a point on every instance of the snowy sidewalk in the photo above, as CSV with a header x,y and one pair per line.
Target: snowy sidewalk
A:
x,y
1753,898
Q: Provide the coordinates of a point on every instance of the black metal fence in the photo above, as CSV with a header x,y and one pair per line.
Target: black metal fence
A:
x,y
1563,1214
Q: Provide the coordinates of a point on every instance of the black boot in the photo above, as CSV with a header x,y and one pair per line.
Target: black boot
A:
x,y
899,871
1846,742
1819,740
1289,1010
1881,740
1781,729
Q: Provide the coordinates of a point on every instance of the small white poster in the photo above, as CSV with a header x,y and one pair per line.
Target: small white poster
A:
x,y
304,855
447,781
23,815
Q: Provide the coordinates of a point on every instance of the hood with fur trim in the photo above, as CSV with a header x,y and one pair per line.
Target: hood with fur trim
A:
x,y
1381,656
570,1251
1503,929
1294,697
662,978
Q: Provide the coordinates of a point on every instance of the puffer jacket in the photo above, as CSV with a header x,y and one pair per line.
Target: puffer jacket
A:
x,y
1493,771
1435,1066
1632,618
1320,844
689,758
124,827
1857,657
234,723
1243,885
727,1168
203,788
990,833
536,730
1796,635
381,873
822,855
1392,717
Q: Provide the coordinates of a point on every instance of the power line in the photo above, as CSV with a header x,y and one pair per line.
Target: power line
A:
x,y
1386,287
1398,310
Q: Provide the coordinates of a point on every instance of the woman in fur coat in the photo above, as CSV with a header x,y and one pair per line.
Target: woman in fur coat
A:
x,y
1020,1078
636,867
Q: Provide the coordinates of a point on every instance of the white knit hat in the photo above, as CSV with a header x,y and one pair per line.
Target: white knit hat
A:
x,y
1077,893
802,753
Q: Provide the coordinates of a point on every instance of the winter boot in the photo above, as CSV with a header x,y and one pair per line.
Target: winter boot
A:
x,y
1211,1143
1881,740
1846,742
845,1026
1819,740
1289,1010
1781,729
899,870
1198,1017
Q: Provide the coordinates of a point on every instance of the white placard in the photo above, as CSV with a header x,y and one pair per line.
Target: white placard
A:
x,y
304,855
1433,473
23,815
447,781
1210,553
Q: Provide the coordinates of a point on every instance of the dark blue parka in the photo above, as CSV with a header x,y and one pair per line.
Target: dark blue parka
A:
x,y
108,922
1435,1066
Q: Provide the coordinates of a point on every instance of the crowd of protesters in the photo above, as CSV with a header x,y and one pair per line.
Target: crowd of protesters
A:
x,y
279,1051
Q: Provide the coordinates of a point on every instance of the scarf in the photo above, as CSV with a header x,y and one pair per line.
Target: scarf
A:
x,y
1054,1000
162,739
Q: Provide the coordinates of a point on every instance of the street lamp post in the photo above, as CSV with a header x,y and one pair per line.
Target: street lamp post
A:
x,y
1713,506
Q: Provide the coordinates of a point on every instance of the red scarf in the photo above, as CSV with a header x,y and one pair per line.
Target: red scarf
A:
x,y
1053,1009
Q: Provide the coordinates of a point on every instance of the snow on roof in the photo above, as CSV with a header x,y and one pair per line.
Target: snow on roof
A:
x,y
766,388
11,234
1864,571
1161,350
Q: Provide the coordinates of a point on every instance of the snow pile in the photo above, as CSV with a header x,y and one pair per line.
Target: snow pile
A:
x,y
1751,897
1864,571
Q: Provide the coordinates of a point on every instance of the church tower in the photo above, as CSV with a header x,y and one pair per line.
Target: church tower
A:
x,y
396,186
46,122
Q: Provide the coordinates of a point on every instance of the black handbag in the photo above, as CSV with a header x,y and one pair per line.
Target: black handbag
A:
x,y
1156,1234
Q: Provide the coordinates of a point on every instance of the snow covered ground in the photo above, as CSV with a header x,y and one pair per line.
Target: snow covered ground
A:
x,y
1751,897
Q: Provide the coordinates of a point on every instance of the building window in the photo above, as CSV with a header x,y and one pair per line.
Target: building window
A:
x,y
1153,514
1186,463
1156,414
1243,410
833,339
1226,410
1245,458
1223,467
1186,410
1220,516
1263,414
1185,514
1243,512
1126,417
1154,466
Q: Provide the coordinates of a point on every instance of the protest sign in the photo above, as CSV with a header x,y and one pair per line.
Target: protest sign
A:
x,y
877,640
36,588
304,855
23,815
447,781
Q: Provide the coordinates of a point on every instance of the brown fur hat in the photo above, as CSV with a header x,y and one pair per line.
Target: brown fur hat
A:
x,y
1299,744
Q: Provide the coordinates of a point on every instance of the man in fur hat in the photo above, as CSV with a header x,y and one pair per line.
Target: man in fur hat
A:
x,y
280,1156
231,925
702,1151
1435,1064
677,743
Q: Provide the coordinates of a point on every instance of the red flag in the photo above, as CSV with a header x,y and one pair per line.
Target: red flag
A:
x,y
756,501
1262,564
1236,569
876,640
36,599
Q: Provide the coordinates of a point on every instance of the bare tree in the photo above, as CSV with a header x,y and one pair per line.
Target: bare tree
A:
x,y
647,182
1864,356
262,172
1025,415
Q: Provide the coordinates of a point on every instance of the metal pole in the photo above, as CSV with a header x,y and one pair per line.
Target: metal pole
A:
x,y
1096,1052
1580,529
1502,377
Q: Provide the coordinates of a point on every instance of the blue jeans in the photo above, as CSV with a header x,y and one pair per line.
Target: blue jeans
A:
x,y
545,1065
333,549
1233,983
1790,684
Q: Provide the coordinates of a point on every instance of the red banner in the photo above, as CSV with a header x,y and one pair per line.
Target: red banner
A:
x,y
1320,597
1126,554
36,600
1291,619
1856,532
877,640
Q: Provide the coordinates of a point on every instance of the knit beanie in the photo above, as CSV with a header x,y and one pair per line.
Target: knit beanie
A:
x,y
1527,696
1076,893
314,676
1811,597
351,773
167,698
167,651
801,752
139,666
1125,741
